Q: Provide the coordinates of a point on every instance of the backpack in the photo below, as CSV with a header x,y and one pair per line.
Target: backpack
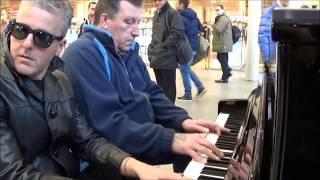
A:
x,y
236,33
203,50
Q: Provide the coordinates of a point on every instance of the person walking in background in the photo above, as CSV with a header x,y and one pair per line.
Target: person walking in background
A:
x,y
192,29
267,46
42,133
163,46
222,42
205,30
91,9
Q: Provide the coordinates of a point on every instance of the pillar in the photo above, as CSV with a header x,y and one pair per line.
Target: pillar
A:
x,y
252,50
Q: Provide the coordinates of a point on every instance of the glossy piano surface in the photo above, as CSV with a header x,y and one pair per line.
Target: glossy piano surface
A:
x,y
297,116
285,116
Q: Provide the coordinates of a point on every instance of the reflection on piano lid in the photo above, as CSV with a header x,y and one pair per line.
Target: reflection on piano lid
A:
x,y
231,115
296,145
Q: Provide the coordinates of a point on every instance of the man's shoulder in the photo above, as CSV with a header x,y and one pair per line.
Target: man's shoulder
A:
x,y
84,43
224,17
171,12
4,70
59,75
268,11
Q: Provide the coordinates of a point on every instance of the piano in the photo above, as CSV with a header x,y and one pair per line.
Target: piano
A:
x,y
281,116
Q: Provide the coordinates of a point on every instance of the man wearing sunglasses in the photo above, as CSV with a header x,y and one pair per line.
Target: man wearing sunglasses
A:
x,y
115,92
42,135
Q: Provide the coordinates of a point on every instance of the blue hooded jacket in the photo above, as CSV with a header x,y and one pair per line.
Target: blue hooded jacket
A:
x,y
267,46
119,99
192,27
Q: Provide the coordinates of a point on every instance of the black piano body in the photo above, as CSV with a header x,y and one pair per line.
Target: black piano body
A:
x,y
297,107
285,112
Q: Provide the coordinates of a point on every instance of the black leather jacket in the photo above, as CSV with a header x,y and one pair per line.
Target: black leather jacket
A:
x,y
42,135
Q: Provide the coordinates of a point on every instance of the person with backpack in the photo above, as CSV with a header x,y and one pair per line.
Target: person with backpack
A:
x,y
222,42
192,29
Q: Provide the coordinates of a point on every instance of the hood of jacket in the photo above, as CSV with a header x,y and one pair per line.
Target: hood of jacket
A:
x,y
188,13
191,27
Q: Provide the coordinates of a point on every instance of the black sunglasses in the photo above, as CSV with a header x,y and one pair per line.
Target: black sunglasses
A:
x,y
41,38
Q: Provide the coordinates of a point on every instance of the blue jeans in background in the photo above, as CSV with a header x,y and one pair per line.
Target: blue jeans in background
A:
x,y
187,75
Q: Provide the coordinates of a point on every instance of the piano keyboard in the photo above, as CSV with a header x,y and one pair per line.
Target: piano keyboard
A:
x,y
213,169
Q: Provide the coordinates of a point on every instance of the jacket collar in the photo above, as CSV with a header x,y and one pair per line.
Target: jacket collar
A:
x,y
105,37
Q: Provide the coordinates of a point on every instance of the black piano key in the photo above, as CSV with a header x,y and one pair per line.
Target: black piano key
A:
x,y
222,160
218,164
233,133
231,121
226,138
230,135
231,126
227,154
216,172
225,146
224,142
202,177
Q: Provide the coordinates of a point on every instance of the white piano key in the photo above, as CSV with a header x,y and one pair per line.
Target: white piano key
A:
x,y
226,151
222,119
216,167
194,168
212,176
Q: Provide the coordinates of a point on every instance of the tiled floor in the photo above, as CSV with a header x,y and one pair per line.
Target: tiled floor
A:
x,y
206,107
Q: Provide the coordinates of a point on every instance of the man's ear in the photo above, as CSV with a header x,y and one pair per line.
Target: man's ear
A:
x,y
62,45
104,20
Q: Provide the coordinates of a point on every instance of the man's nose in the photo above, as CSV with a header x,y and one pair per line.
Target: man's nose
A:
x,y
28,41
136,31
